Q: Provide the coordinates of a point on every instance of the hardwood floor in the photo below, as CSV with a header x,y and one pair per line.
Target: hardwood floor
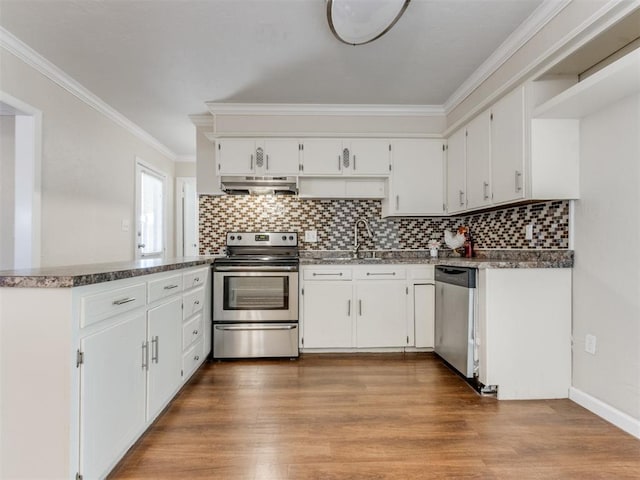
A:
x,y
390,416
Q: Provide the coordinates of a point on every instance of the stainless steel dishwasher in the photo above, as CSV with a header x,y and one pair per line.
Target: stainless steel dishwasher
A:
x,y
456,317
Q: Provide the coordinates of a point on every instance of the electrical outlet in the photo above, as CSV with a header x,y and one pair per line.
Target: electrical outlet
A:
x,y
529,232
590,344
311,236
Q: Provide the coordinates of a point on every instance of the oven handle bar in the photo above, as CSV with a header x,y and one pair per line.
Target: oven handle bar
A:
x,y
263,327
255,268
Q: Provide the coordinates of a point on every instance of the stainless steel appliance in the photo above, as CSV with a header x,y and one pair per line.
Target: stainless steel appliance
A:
x,y
255,296
259,185
456,317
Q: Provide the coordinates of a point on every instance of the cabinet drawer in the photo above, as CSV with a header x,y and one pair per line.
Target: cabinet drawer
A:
x,y
165,287
192,303
191,331
195,278
421,273
380,273
94,308
191,359
338,273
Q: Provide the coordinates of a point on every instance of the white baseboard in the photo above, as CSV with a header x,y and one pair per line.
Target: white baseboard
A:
x,y
607,412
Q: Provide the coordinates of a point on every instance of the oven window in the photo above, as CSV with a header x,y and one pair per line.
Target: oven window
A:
x,y
256,293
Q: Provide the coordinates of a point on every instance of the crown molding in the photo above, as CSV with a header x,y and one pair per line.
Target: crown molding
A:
x,y
17,47
525,32
325,109
202,120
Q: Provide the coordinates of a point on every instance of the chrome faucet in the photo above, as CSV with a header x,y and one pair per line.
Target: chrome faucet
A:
x,y
356,245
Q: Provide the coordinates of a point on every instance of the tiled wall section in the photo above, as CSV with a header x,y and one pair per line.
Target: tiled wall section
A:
x,y
334,221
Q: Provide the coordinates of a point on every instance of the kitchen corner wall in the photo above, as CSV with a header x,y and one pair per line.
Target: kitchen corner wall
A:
x,y
334,221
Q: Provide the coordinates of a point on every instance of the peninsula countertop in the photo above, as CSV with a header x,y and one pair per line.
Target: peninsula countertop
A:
x,y
79,275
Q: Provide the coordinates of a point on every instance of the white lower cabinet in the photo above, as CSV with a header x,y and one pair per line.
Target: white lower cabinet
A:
x,y
165,354
112,392
363,306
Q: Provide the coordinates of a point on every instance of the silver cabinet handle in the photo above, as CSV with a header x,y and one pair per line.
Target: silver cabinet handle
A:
x,y
485,190
349,308
196,358
461,195
326,274
195,332
518,183
251,163
170,287
197,302
397,202
154,349
267,162
122,301
145,355
339,163
360,307
354,162
197,279
381,273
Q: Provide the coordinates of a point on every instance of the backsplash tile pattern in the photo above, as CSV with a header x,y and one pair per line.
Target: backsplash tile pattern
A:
x,y
334,221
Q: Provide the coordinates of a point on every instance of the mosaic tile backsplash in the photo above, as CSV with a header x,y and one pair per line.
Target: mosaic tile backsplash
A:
x,y
334,221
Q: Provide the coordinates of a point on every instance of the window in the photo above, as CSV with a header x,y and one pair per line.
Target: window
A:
x,y
150,212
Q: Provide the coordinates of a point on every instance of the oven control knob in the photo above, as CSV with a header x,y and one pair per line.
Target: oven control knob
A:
x,y
239,237
232,237
284,237
291,237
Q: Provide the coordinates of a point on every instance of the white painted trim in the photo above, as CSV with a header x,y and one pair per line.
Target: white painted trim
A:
x,y
525,32
203,120
607,412
322,109
32,58
213,136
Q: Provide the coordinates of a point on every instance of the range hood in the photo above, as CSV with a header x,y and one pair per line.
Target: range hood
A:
x,y
259,185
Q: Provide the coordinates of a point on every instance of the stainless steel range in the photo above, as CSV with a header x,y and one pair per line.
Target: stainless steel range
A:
x,y
255,296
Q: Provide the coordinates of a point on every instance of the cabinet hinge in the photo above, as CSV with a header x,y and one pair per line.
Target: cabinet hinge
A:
x,y
407,290
389,147
491,117
407,339
218,166
443,147
302,341
302,291
219,146
466,133
182,373
302,168
79,358
444,207
302,146
78,476
389,167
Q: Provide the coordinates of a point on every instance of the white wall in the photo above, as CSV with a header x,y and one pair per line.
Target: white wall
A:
x,y
7,191
185,169
606,294
88,171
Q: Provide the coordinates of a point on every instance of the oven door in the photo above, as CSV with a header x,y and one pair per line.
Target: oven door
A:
x,y
261,294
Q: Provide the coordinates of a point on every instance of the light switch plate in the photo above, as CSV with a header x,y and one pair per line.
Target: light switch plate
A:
x,y
125,225
311,236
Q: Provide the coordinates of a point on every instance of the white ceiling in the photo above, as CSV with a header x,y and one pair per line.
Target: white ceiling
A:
x,y
157,62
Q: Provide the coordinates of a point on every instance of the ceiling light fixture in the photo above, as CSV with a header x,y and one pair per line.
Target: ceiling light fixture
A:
x,y
356,22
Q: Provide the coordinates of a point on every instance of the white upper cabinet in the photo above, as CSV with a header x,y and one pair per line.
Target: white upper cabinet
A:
x,y
478,154
262,157
416,184
457,172
344,156
508,148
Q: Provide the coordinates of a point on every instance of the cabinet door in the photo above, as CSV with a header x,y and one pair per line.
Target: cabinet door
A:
x,y
507,148
424,315
322,156
416,184
479,161
165,354
236,156
369,156
281,156
112,393
381,314
456,172
327,314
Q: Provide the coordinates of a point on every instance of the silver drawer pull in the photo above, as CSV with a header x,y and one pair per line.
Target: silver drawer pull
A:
x,y
326,274
197,302
196,280
169,287
155,349
381,273
122,301
145,355
196,358
195,332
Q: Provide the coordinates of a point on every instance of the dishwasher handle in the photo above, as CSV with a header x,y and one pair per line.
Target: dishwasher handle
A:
x,y
460,276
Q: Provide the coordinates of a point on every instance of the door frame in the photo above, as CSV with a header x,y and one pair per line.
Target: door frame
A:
x,y
139,166
180,223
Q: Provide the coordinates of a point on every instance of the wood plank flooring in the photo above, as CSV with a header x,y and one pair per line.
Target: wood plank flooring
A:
x,y
387,416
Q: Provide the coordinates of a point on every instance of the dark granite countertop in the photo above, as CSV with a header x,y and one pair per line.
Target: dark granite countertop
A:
x,y
483,258
78,275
